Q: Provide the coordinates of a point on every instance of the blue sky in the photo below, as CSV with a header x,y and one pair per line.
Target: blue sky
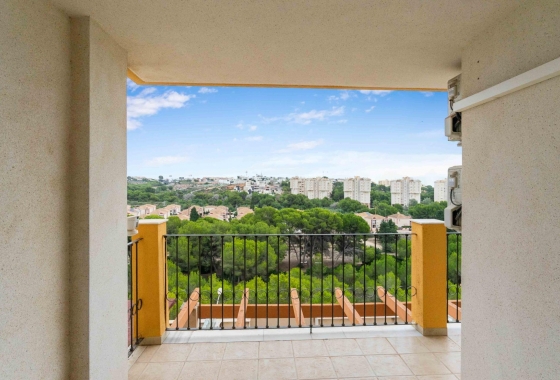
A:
x,y
227,131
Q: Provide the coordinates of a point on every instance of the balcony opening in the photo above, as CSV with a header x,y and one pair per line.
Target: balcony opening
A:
x,y
289,208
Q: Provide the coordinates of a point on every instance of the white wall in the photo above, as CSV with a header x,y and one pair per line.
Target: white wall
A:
x,y
511,172
98,238
34,127
62,196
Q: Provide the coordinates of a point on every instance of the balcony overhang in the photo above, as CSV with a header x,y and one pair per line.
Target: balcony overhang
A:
x,y
363,44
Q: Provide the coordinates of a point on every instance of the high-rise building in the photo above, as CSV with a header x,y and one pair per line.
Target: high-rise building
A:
x,y
313,188
403,190
358,189
384,182
440,190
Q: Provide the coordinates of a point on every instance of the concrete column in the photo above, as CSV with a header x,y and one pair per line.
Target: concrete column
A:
x,y
429,276
153,317
97,188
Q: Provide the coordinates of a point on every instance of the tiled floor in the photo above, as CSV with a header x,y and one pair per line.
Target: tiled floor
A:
x,y
382,353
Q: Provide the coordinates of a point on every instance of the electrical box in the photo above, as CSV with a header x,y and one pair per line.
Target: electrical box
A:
x,y
453,127
454,89
453,211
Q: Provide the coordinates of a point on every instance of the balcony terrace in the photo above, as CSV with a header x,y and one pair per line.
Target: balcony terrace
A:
x,y
314,306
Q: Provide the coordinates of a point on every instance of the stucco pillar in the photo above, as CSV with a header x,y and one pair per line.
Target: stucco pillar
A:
x,y
153,316
97,187
429,276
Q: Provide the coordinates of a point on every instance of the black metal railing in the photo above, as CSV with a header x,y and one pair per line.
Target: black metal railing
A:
x,y
134,303
219,282
454,276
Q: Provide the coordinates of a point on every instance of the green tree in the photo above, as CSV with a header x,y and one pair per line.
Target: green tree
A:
x,y
194,216
388,241
338,191
350,205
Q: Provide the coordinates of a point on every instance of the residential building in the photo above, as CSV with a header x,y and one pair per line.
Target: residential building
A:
x,y
63,67
313,188
242,211
163,212
173,209
373,220
217,212
404,190
144,210
384,182
186,213
440,190
400,220
358,189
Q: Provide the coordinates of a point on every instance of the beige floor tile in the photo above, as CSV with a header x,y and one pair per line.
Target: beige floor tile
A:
x,y
351,366
273,369
239,369
207,351
408,345
452,360
307,348
375,346
425,364
172,353
135,355
456,339
276,349
388,365
136,370
315,368
343,347
241,350
458,376
200,370
162,371
439,344
147,354
437,377
397,378
358,378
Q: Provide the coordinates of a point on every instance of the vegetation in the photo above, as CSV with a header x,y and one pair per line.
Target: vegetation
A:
x,y
271,266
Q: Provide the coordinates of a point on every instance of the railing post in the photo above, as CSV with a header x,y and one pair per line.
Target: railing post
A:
x,y
153,316
429,276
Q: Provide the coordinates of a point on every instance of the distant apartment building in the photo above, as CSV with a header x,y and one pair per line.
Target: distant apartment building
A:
x,y
313,188
384,182
440,190
404,190
358,189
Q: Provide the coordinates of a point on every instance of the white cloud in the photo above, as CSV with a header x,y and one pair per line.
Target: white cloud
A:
x,y
376,92
131,85
148,103
344,95
427,93
254,138
308,117
370,109
166,160
206,90
250,128
303,145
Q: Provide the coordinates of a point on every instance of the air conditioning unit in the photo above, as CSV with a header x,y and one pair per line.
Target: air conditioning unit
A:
x,y
453,211
453,127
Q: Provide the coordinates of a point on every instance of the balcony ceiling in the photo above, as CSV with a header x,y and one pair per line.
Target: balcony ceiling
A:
x,y
384,44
